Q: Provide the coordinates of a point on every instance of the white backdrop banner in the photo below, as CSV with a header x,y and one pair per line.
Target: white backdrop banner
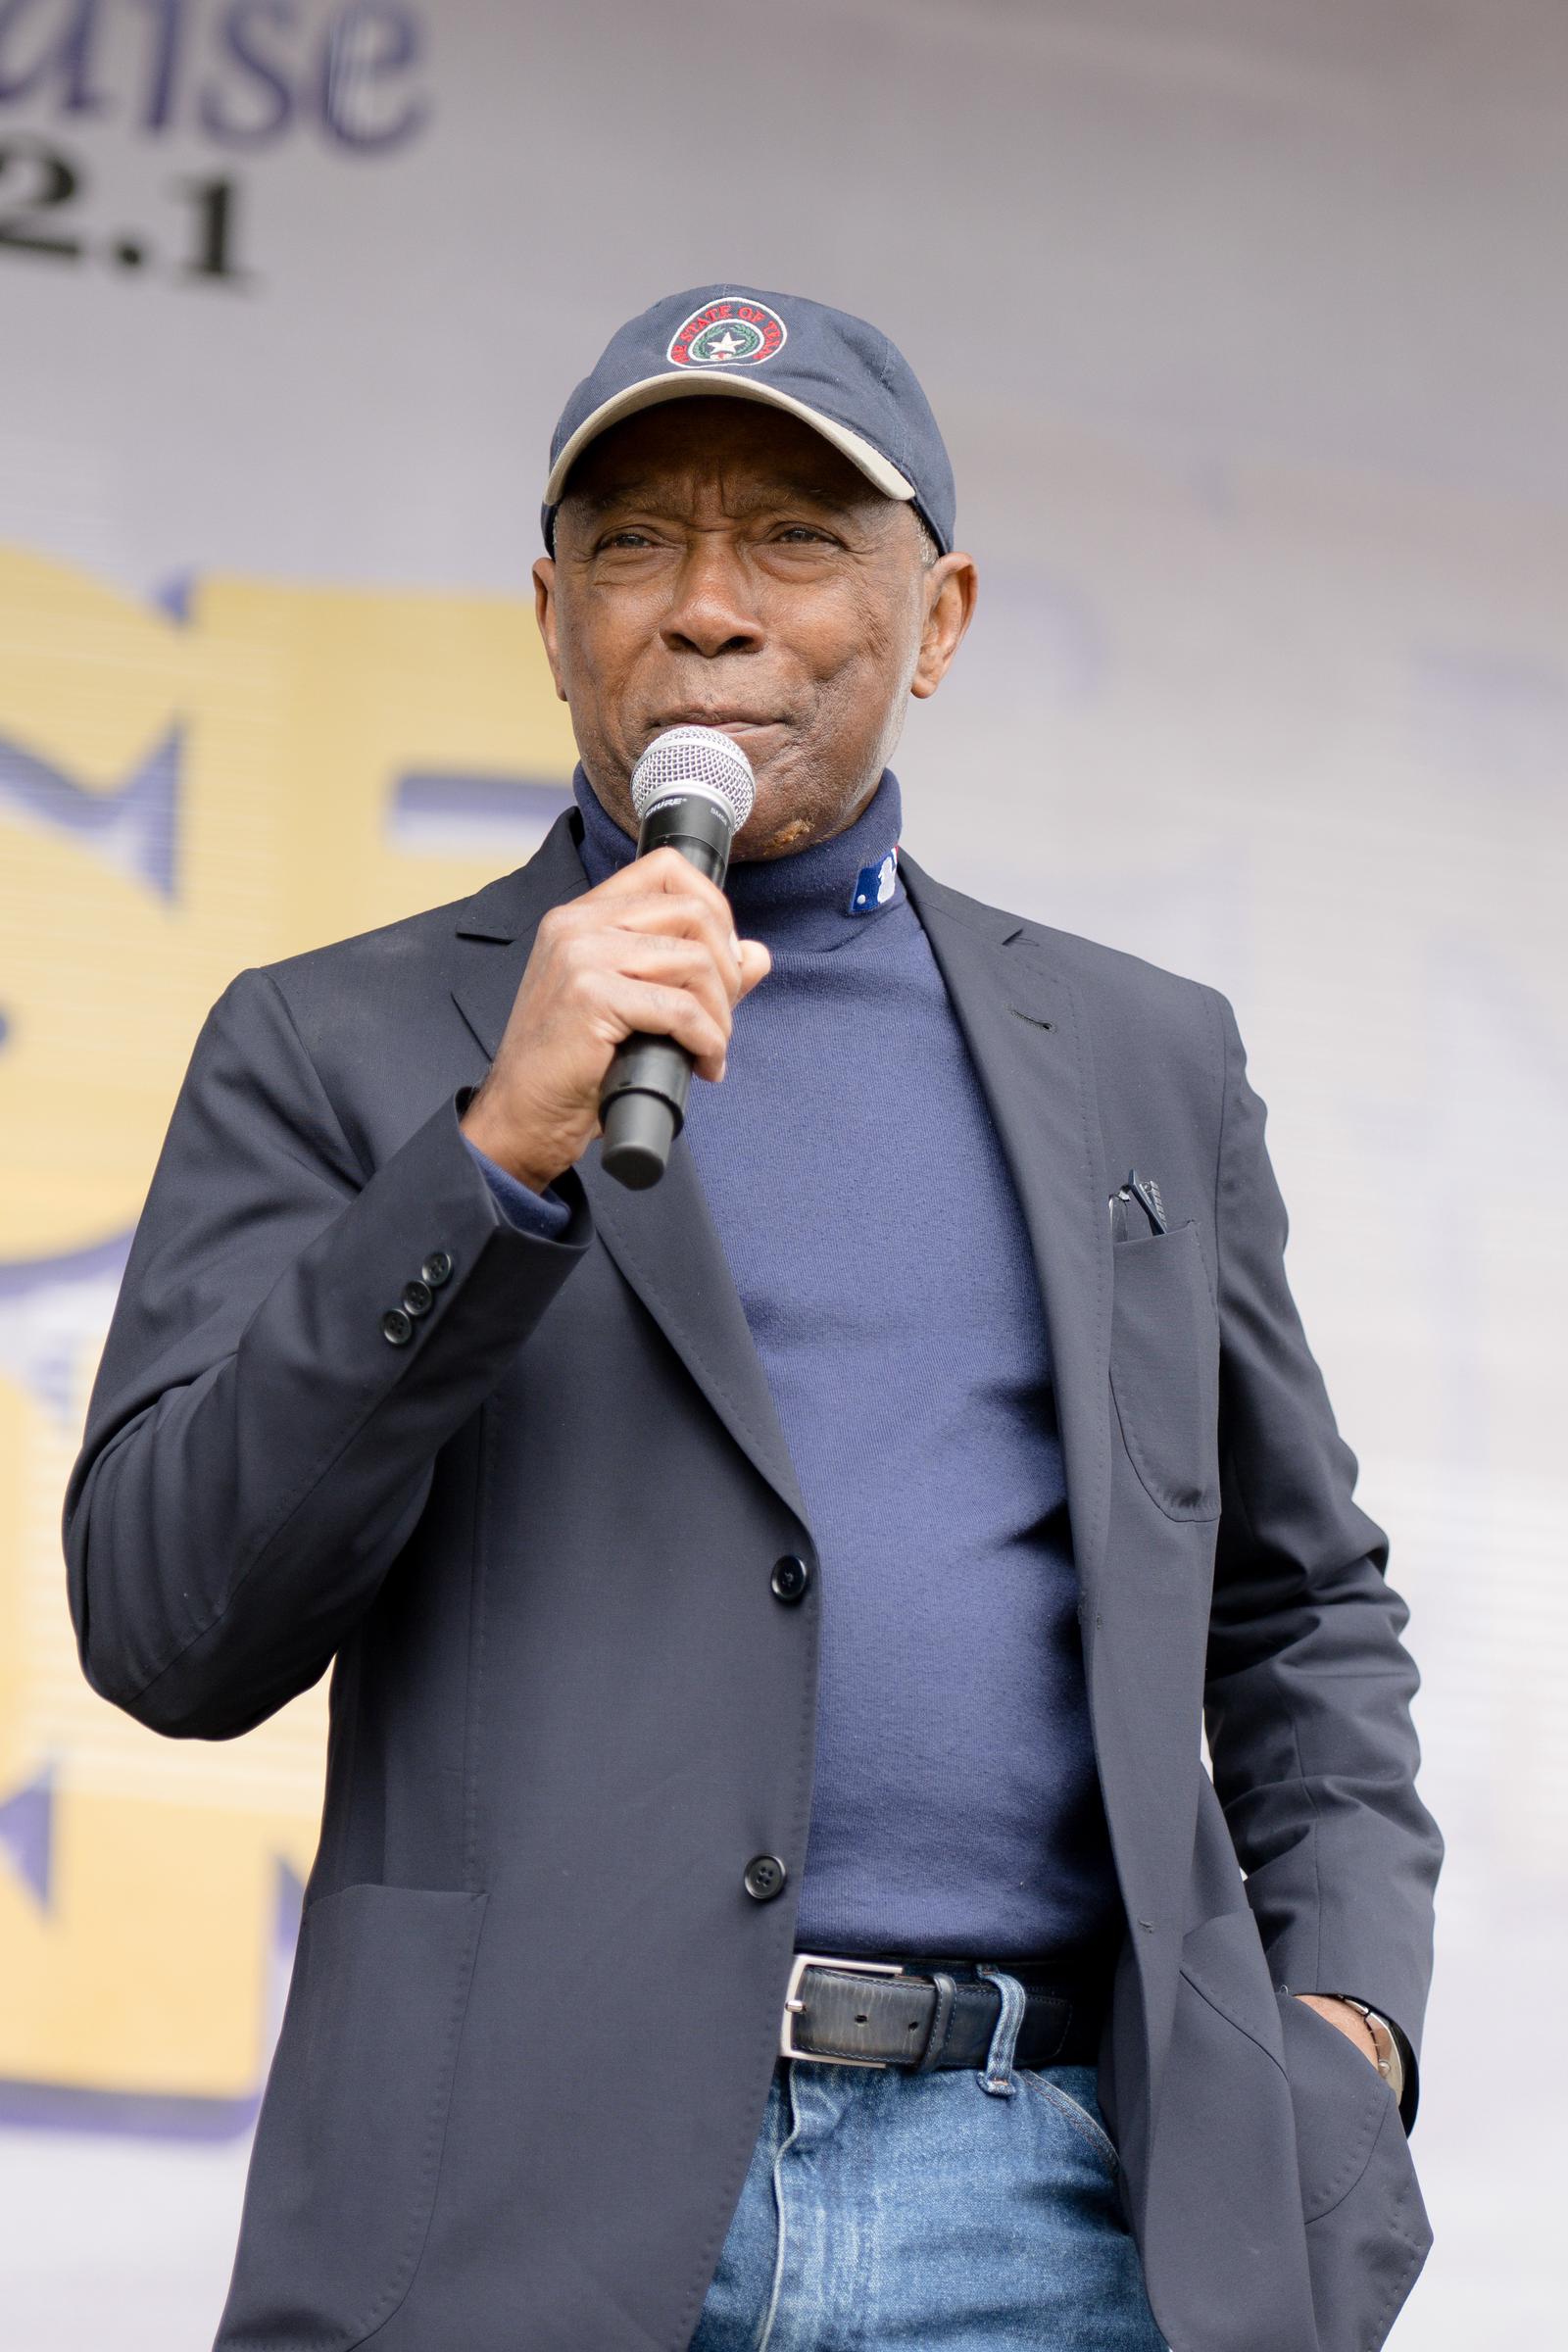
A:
x,y
1245,326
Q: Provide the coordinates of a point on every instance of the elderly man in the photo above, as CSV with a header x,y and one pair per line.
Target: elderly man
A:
x,y
769,1891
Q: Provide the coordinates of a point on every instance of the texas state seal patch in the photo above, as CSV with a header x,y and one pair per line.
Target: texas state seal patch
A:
x,y
734,333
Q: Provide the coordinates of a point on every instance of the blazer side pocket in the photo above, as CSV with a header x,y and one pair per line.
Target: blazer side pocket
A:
x,y
348,2146
1165,1371
1367,2231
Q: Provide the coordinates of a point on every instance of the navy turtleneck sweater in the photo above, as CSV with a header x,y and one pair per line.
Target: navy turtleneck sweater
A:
x,y
858,1191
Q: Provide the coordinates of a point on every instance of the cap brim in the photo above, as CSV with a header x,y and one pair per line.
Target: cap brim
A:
x,y
654,390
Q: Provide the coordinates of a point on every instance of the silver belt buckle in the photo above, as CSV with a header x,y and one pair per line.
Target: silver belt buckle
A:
x,y
792,2004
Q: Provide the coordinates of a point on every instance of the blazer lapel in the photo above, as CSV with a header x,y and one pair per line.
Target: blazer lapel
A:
x,y
1025,1031
664,1243
663,1240
503,918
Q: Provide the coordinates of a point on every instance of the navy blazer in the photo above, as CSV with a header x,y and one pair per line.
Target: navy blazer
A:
x,y
535,1540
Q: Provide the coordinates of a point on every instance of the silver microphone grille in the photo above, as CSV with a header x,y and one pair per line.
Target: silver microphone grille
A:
x,y
694,760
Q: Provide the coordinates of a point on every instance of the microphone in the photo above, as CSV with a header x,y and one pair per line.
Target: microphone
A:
x,y
693,790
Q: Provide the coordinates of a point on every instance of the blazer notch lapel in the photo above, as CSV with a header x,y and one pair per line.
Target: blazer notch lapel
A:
x,y
501,921
1024,1027
666,1245
663,1240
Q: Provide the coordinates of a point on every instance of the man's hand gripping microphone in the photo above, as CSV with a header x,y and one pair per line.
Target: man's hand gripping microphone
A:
x,y
693,790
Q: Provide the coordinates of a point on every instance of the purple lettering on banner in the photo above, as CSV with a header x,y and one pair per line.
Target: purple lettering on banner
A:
x,y
66,53
268,69
267,74
135,830
162,77
362,50
432,810
27,1834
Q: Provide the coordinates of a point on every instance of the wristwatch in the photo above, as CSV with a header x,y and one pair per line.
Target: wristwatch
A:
x,y
1391,2066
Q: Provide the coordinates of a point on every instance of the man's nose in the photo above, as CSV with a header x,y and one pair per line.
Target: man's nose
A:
x,y
713,611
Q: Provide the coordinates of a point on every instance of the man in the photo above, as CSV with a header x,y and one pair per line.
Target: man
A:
x,y
836,1550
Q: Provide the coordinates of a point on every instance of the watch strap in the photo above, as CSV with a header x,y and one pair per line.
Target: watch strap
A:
x,y
1386,2043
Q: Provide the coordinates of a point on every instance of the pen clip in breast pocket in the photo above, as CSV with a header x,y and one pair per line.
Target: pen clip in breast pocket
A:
x,y
1142,1191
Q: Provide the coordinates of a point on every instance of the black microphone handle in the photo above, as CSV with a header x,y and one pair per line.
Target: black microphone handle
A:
x,y
642,1103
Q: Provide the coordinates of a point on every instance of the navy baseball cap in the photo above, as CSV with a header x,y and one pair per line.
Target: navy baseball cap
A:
x,y
839,376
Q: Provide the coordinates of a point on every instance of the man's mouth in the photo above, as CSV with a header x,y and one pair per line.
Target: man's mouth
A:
x,y
727,722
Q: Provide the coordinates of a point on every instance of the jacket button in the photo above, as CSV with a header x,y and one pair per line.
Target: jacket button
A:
x,y
417,1298
437,1268
396,1329
764,1877
790,1577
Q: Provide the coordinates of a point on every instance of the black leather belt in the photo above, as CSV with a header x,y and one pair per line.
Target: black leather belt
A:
x,y
930,2013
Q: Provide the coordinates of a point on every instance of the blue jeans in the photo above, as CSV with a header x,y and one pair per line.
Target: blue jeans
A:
x,y
949,2212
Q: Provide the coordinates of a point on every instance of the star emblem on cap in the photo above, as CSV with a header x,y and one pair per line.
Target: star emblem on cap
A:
x,y
733,331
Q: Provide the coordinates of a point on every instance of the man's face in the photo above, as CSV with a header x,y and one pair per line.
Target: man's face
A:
x,y
718,563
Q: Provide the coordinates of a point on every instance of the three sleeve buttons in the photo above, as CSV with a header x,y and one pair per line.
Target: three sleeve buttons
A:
x,y
418,1296
789,1578
764,1877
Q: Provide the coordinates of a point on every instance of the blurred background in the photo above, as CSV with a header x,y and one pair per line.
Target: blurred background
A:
x,y
1245,323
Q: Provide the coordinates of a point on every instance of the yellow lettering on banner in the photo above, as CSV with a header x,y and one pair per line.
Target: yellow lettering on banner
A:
x,y
296,710
88,678
276,721
94,965
329,697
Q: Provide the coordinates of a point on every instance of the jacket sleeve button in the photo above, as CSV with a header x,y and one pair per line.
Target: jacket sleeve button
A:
x,y
417,1298
396,1328
437,1268
790,1577
764,1877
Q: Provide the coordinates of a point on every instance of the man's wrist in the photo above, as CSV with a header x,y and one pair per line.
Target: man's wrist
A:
x,y
1377,2037
479,1125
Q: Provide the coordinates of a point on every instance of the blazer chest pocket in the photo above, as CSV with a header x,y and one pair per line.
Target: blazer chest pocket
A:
x,y
1165,1371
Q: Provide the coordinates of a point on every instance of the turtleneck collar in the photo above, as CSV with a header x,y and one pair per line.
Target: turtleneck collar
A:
x,y
805,902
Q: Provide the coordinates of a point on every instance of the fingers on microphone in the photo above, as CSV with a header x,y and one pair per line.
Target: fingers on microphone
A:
x,y
687,917
674,952
667,959
663,1010
665,870
684,905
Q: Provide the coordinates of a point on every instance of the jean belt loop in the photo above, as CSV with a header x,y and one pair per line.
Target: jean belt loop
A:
x,y
997,2073
946,1994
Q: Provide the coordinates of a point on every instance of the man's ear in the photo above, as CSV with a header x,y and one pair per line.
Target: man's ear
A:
x,y
544,610
951,587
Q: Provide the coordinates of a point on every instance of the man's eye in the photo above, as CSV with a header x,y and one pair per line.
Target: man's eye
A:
x,y
627,538
800,534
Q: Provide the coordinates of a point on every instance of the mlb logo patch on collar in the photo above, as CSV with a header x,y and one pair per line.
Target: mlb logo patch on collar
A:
x,y
874,884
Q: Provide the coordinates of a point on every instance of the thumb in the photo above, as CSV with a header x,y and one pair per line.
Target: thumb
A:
x,y
756,963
